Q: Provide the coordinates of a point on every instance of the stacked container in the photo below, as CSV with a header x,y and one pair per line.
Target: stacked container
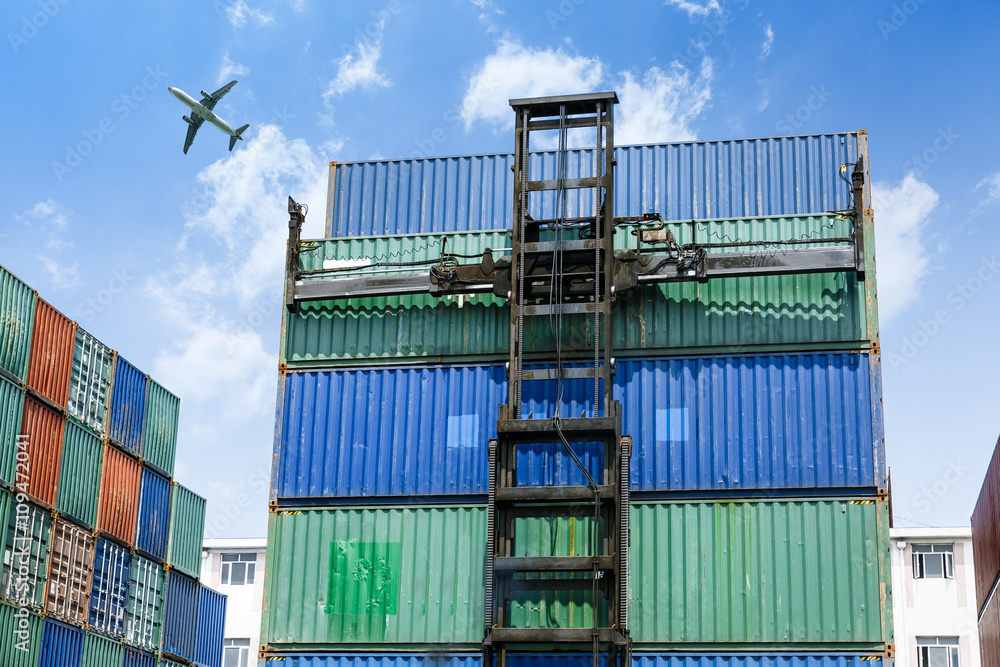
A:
x,y
986,557
89,538
759,513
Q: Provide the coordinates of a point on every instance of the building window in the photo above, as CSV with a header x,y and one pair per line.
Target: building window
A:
x,y
937,651
238,569
236,653
933,561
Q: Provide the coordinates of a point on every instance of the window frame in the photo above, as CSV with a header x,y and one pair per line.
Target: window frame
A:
x,y
242,650
248,561
921,553
950,645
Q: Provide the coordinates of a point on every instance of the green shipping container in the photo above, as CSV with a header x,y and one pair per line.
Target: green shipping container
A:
x,y
159,438
11,407
80,473
187,528
100,651
718,575
90,381
27,541
17,314
20,637
144,615
402,577
801,311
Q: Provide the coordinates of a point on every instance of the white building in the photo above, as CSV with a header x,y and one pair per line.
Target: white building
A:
x,y
236,567
934,597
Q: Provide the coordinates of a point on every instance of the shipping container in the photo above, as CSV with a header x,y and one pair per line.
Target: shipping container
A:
x,y
144,616
572,660
153,518
17,313
109,593
771,422
28,539
986,531
159,440
90,381
20,635
51,359
80,474
62,645
746,574
44,429
167,662
136,658
989,634
11,407
681,181
126,414
187,529
210,628
426,584
119,499
802,311
71,565
180,615
100,651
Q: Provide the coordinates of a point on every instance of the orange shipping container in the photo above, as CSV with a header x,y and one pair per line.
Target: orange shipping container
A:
x,y
44,428
51,353
119,494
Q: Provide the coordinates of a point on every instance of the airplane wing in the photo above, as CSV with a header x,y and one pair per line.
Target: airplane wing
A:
x,y
213,99
192,130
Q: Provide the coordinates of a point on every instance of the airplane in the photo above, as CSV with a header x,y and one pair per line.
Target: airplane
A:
x,y
202,111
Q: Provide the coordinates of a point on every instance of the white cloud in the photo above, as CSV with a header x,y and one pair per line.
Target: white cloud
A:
x,y
229,271
662,106
239,11
765,48
51,220
230,69
298,6
992,185
360,69
488,10
901,213
514,71
696,9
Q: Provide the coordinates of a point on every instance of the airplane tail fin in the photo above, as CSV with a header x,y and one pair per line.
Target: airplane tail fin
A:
x,y
239,135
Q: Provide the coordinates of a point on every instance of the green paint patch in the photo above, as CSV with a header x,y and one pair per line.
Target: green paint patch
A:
x,y
364,578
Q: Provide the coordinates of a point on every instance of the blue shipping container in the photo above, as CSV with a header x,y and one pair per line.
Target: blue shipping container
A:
x,y
578,660
128,406
210,629
153,517
180,615
737,178
810,420
109,592
136,658
62,645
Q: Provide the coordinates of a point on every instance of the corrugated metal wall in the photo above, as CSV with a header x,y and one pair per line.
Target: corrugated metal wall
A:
x,y
119,500
699,423
62,645
109,593
44,428
27,540
159,439
153,518
51,353
180,615
208,634
11,407
71,564
17,313
144,620
80,474
24,633
90,381
128,406
693,180
187,529
986,531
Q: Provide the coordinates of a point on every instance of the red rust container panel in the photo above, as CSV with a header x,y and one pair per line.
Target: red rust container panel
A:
x,y
70,566
119,500
986,532
44,428
51,358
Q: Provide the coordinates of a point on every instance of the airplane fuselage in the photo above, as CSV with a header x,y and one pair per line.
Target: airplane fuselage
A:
x,y
199,109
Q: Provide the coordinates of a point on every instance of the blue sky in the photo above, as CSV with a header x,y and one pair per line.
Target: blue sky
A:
x,y
175,260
